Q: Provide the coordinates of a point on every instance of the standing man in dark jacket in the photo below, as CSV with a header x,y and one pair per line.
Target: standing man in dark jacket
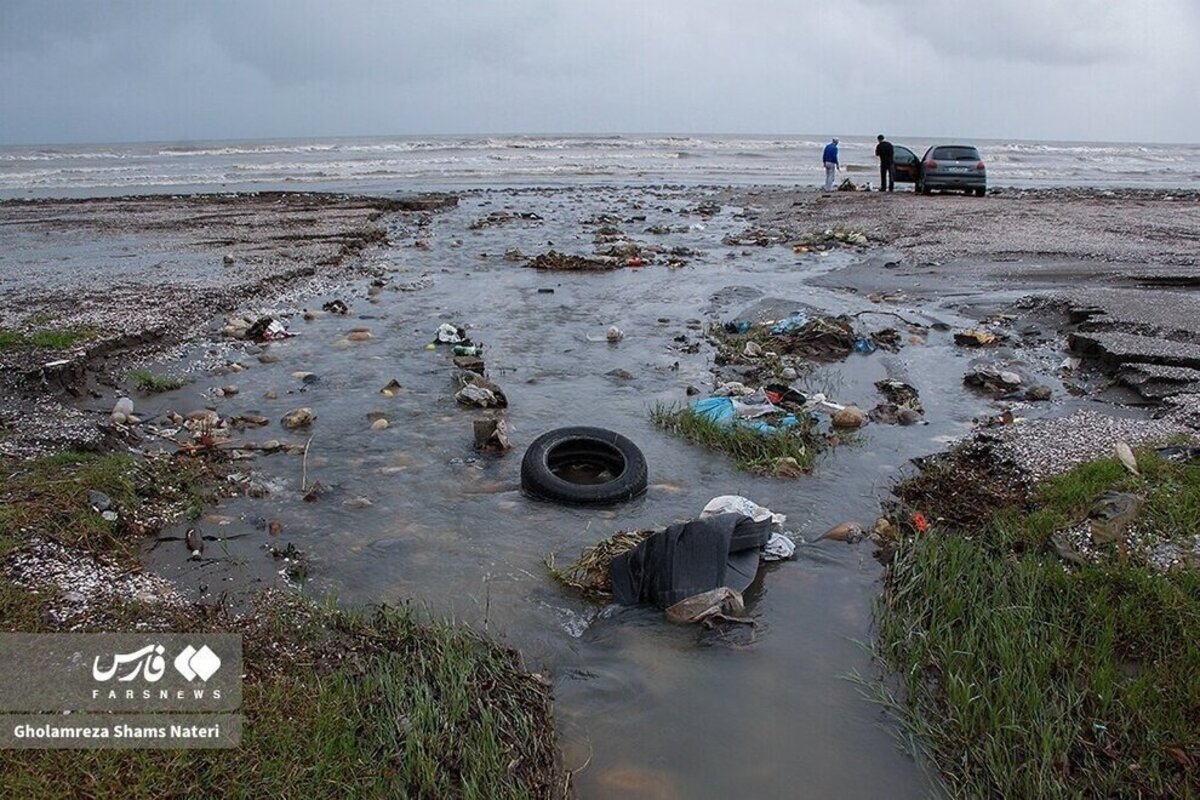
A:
x,y
887,164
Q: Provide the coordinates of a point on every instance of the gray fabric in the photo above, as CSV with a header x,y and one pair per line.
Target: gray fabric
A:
x,y
690,558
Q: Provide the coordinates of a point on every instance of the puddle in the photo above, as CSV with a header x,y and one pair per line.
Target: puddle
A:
x,y
412,512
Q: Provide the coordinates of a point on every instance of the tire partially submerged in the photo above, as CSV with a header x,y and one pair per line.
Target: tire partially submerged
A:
x,y
583,466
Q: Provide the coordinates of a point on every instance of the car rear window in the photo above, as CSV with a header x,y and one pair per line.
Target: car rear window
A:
x,y
955,154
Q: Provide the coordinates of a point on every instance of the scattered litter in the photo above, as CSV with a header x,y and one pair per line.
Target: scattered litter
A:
x,y
1111,515
451,334
991,379
122,412
794,322
336,307
614,334
267,329
848,532
974,338
1126,457
717,605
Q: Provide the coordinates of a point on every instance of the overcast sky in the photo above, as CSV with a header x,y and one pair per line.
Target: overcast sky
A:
x,y
106,71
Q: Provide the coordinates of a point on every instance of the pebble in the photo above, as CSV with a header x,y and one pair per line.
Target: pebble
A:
x,y
379,424
848,417
99,500
1042,448
268,358
298,418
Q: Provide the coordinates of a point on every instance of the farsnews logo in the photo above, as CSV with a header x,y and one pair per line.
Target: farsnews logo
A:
x,y
150,664
192,663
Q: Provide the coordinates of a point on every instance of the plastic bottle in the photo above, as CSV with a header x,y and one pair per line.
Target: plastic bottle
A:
x,y
468,350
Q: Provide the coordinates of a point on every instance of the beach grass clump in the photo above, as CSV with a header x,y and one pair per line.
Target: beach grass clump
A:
x,y
148,382
53,339
589,574
53,496
337,703
1022,676
750,449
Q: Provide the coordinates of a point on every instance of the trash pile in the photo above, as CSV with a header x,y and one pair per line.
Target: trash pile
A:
x,y
837,236
561,262
902,405
797,336
262,329
497,218
695,571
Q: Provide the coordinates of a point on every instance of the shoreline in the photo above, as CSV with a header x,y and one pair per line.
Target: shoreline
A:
x,y
910,249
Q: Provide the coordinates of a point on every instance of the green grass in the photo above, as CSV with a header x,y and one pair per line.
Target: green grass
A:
x,y
50,496
336,703
340,704
750,450
51,339
148,382
1021,677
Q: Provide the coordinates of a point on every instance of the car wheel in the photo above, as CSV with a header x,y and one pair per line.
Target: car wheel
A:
x,y
583,466
980,192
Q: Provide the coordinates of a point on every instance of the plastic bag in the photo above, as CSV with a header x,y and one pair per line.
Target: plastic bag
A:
x,y
736,504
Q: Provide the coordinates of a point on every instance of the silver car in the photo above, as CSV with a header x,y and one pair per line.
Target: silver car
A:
x,y
952,166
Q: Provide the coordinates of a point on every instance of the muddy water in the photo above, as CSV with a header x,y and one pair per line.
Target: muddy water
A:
x,y
653,710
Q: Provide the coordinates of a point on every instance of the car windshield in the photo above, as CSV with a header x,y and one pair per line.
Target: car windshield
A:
x,y
955,154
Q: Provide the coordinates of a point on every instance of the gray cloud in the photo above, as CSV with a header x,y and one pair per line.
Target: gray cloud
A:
x,y
1083,69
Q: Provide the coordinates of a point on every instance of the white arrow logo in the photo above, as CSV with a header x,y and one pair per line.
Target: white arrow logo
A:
x,y
192,663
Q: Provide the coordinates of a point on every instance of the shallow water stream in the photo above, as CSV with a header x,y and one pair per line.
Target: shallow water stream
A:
x,y
652,709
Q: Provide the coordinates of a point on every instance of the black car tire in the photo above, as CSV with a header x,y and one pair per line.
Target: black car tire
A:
x,y
595,447
980,192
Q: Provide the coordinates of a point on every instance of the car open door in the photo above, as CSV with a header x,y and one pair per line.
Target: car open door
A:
x,y
908,166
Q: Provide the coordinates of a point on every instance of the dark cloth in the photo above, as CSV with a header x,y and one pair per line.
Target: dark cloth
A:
x,y
887,177
689,558
885,152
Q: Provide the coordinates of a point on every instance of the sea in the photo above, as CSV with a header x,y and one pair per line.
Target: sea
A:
x,y
427,163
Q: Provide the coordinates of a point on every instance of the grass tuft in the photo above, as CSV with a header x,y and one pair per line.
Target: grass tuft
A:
x,y
750,450
148,382
1024,678
50,339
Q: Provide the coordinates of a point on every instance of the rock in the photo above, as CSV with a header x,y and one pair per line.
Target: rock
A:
x,y
620,374
380,424
358,335
109,516
789,373
122,410
614,334
692,391
1038,393
491,435
1112,514
907,416
256,489
274,527
227,260
270,394
481,392
393,386
752,350
99,500
298,418
229,391
201,419
357,502
787,467
470,363
268,358
849,417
